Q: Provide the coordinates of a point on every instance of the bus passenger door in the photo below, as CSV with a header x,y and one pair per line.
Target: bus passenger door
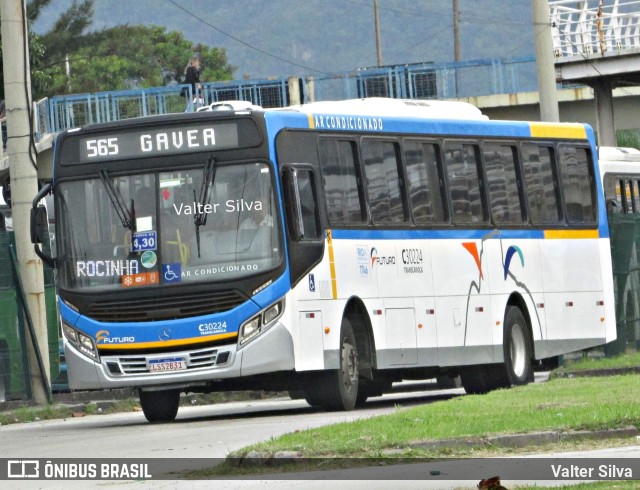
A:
x,y
302,212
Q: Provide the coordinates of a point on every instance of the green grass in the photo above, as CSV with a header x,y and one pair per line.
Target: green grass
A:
x,y
561,404
630,360
49,412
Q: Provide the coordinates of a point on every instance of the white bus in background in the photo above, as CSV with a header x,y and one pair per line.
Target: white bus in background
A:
x,y
620,174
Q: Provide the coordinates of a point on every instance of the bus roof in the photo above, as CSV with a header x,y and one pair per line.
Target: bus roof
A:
x,y
382,106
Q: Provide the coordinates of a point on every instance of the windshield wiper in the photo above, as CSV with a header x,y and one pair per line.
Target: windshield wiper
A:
x,y
200,217
117,201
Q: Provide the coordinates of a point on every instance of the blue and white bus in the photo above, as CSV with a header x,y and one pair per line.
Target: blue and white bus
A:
x,y
328,249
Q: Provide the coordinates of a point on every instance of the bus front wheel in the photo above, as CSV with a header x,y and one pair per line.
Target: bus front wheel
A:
x,y
160,406
339,388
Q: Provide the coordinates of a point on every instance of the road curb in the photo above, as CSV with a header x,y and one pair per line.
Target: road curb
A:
x,y
525,440
281,458
597,372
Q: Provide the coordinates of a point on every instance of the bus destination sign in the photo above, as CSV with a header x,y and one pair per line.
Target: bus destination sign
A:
x,y
154,142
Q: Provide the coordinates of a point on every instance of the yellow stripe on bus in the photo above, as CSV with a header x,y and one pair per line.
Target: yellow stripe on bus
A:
x,y
552,130
312,123
167,343
332,266
570,234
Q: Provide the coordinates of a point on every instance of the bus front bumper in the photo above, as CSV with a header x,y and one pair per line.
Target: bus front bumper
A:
x,y
272,351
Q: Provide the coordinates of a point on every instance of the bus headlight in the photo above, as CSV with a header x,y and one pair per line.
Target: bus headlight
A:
x,y
272,313
80,341
70,333
250,330
260,322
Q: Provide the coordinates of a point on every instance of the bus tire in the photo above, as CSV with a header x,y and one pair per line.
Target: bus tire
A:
x,y
339,388
481,379
314,399
518,350
160,406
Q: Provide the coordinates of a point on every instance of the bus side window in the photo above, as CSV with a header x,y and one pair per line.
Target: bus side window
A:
x,y
342,182
505,189
425,182
578,185
541,184
464,183
384,181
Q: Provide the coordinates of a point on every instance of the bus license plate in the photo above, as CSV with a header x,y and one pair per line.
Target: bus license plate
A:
x,y
167,365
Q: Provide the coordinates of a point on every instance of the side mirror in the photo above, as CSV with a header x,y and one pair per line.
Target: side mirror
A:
x,y
39,224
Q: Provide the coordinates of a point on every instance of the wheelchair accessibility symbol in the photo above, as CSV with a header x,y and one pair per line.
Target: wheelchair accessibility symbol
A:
x,y
171,272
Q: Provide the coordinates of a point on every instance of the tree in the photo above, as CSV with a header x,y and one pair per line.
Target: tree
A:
x,y
72,59
36,49
134,56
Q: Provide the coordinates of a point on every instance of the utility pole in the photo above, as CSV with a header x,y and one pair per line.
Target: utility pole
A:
x,y
456,43
24,182
456,31
544,62
377,27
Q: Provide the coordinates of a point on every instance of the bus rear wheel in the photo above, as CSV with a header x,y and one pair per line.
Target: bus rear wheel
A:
x,y
160,406
518,354
339,388
518,350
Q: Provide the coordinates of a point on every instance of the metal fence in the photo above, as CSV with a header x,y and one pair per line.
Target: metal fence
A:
x,y
73,111
413,81
15,381
429,80
625,254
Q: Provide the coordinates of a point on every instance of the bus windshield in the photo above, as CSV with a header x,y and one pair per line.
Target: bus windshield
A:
x,y
208,223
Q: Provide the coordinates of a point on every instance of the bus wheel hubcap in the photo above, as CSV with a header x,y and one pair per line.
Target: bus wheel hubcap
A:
x,y
349,364
518,350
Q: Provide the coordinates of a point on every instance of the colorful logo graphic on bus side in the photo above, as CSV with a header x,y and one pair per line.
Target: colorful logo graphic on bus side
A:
x,y
472,248
379,259
511,251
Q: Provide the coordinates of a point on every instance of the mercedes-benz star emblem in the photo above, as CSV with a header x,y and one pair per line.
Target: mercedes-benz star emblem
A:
x,y
165,334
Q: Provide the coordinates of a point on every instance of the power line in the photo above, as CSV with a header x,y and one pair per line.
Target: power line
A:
x,y
244,43
464,17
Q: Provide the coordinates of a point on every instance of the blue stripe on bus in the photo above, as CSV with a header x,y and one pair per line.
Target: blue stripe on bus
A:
x,y
515,129
183,328
186,328
450,234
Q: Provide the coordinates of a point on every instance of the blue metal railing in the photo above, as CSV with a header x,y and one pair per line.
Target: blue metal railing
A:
x,y
418,80
70,111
